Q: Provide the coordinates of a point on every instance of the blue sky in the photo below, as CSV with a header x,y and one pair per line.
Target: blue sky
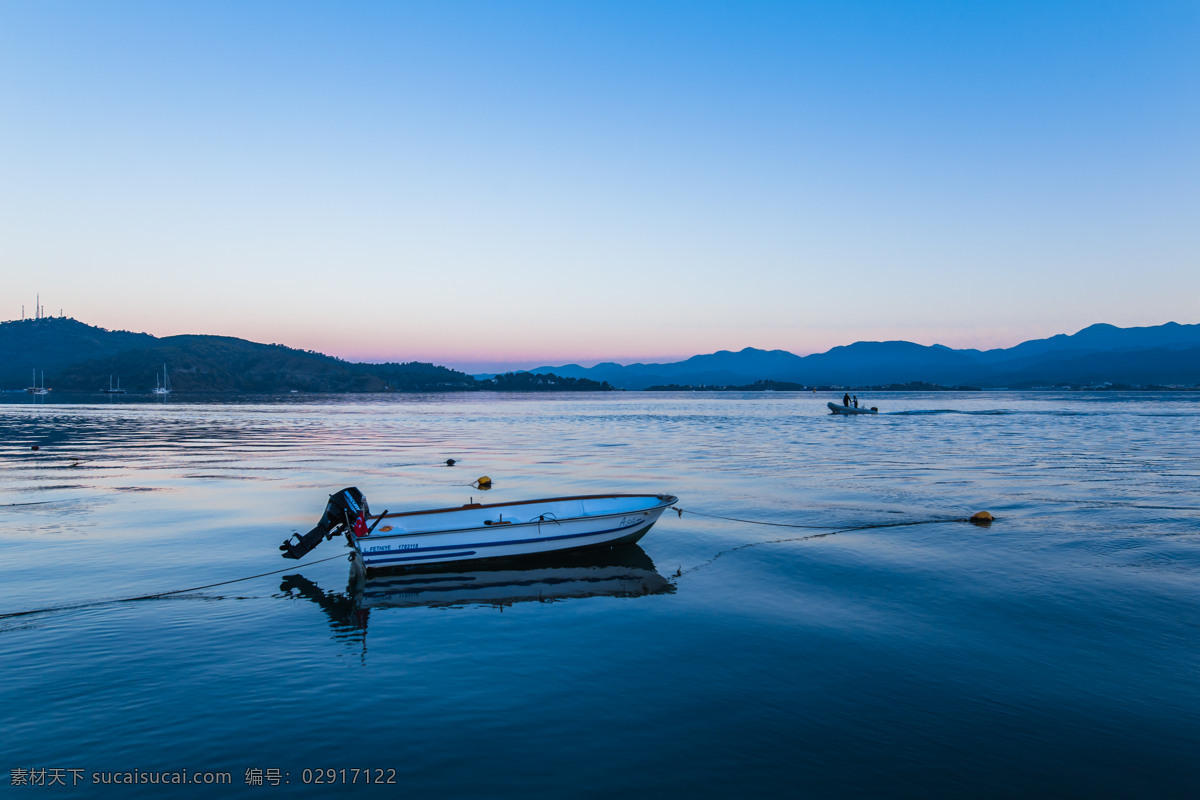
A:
x,y
532,183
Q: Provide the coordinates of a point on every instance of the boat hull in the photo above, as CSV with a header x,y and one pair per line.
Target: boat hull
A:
x,y
837,408
507,530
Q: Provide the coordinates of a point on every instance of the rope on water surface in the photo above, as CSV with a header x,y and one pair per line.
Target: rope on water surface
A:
x,y
156,595
681,511
828,530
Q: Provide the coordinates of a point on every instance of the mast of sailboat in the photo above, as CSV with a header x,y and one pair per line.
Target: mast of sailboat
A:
x,y
165,388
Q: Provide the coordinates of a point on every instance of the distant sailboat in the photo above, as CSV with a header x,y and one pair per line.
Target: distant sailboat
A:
x,y
165,388
35,389
111,390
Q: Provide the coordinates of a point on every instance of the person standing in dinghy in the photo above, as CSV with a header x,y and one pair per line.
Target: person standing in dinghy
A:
x,y
846,399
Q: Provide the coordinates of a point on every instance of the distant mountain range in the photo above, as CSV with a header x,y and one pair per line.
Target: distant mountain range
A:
x,y
1162,355
80,357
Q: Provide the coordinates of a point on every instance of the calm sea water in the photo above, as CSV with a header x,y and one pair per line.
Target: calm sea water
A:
x,y
1054,653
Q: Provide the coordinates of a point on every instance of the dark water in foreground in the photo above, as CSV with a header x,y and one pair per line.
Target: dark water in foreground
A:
x,y
1056,653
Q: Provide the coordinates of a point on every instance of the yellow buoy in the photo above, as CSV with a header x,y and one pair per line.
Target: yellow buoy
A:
x,y
982,518
483,482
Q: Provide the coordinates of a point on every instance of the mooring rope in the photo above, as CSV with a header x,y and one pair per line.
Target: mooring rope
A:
x,y
95,603
829,530
682,511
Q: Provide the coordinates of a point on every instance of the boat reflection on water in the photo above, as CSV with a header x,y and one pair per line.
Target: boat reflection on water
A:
x,y
623,571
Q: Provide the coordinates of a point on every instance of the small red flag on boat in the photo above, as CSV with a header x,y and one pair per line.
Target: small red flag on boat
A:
x,y
360,525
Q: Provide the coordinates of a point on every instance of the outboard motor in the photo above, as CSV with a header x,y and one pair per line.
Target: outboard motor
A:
x,y
344,509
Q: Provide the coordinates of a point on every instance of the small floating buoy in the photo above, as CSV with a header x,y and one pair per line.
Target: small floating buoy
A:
x,y
483,482
981,518
449,462
35,447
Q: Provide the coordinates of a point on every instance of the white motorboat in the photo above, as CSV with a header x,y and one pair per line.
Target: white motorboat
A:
x,y
477,531
838,408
